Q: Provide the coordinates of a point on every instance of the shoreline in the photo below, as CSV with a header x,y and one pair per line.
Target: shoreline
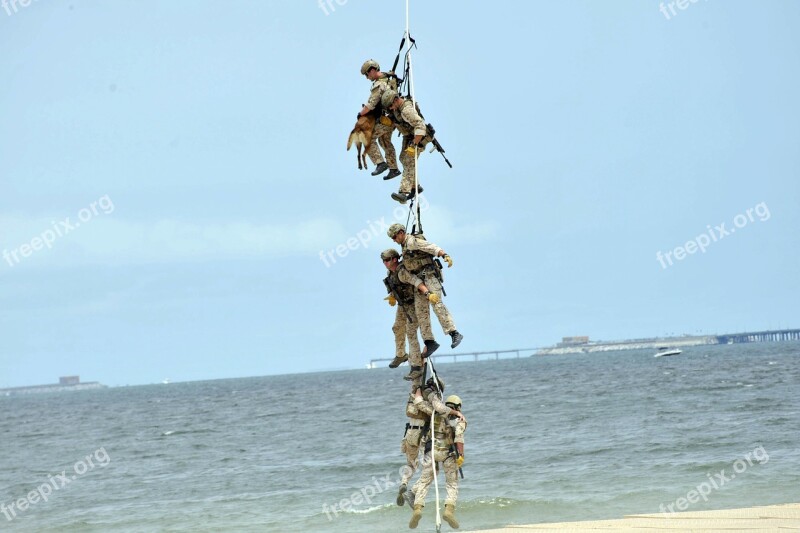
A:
x,y
763,518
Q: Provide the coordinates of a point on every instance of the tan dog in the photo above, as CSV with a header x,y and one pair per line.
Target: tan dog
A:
x,y
362,136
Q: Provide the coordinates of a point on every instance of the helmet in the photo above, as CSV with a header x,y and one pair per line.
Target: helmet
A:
x,y
455,400
388,98
369,64
390,253
394,229
430,385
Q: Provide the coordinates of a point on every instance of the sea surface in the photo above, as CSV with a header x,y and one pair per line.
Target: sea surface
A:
x,y
552,438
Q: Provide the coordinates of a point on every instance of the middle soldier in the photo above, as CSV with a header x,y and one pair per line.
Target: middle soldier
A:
x,y
420,270
405,323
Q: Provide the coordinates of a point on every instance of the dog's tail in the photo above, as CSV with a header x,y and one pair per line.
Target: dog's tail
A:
x,y
357,137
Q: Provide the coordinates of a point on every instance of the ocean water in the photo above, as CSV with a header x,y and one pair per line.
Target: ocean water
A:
x,y
549,439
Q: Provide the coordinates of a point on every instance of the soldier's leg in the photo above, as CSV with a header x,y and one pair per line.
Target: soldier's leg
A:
x,y
424,482
383,134
442,313
399,330
412,455
421,306
374,153
451,480
409,164
412,327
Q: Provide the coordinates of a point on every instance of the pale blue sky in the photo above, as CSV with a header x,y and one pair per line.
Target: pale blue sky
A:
x,y
586,137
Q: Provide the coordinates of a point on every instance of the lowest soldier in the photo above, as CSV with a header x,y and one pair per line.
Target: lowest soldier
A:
x,y
381,82
420,270
417,429
405,322
415,137
447,449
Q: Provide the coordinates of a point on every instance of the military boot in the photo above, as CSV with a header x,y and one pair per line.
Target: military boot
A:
x,y
400,197
457,338
380,169
414,192
393,173
400,495
415,518
449,515
416,371
397,360
430,347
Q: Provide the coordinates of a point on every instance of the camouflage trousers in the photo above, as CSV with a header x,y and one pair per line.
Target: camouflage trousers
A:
x,y
383,135
405,328
410,162
422,307
444,461
410,446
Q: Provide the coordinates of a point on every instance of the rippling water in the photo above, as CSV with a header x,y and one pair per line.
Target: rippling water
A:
x,y
549,439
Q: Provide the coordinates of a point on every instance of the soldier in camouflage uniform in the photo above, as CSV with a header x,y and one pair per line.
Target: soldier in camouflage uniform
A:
x,y
420,270
417,430
415,136
447,450
381,82
405,322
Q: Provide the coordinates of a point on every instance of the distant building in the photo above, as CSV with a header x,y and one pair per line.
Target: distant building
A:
x,y
65,383
69,380
573,341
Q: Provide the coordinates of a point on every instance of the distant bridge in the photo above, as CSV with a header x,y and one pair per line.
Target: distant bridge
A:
x,y
760,336
475,355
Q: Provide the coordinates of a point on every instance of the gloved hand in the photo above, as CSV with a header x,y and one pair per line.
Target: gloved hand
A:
x,y
449,260
386,121
391,299
412,149
434,298
460,461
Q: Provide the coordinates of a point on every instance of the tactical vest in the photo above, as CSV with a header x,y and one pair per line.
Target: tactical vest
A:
x,y
404,292
443,432
417,260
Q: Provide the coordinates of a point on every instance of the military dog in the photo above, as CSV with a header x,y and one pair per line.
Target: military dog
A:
x,y
362,136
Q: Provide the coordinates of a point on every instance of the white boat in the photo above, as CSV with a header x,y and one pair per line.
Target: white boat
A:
x,y
664,351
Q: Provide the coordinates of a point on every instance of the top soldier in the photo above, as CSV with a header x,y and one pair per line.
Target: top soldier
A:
x,y
415,136
381,82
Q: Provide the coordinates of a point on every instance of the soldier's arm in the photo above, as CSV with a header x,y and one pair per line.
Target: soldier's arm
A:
x,y
374,97
411,116
412,243
407,277
461,427
440,407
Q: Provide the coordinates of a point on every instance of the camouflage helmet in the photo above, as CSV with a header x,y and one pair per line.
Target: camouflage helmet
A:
x,y
369,64
388,98
430,384
389,254
454,400
394,229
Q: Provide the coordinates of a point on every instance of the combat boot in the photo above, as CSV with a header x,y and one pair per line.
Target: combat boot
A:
x,y
430,347
415,518
400,495
397,360
416,371
393,173
449,515
457,338
400,197
380,169
414,192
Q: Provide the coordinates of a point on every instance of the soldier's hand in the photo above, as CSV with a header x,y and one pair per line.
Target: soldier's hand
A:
x,y
391,299
460,461
449,260
434,298
412,149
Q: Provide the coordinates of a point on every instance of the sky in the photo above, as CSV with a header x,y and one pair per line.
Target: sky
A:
x,y
172,175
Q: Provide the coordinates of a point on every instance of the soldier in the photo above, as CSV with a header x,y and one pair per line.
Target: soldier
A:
x,y
415,137
405,322
420,270
384,126
447,449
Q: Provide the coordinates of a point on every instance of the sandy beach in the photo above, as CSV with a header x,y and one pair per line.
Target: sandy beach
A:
x,y
767,518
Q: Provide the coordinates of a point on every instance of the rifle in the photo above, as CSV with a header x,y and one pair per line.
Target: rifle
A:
x,y
454,448
436,144
391,290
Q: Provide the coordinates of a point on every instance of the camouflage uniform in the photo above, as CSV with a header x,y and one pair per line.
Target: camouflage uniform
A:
x,y
447,432
405,323
382,132
409,124
418,267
